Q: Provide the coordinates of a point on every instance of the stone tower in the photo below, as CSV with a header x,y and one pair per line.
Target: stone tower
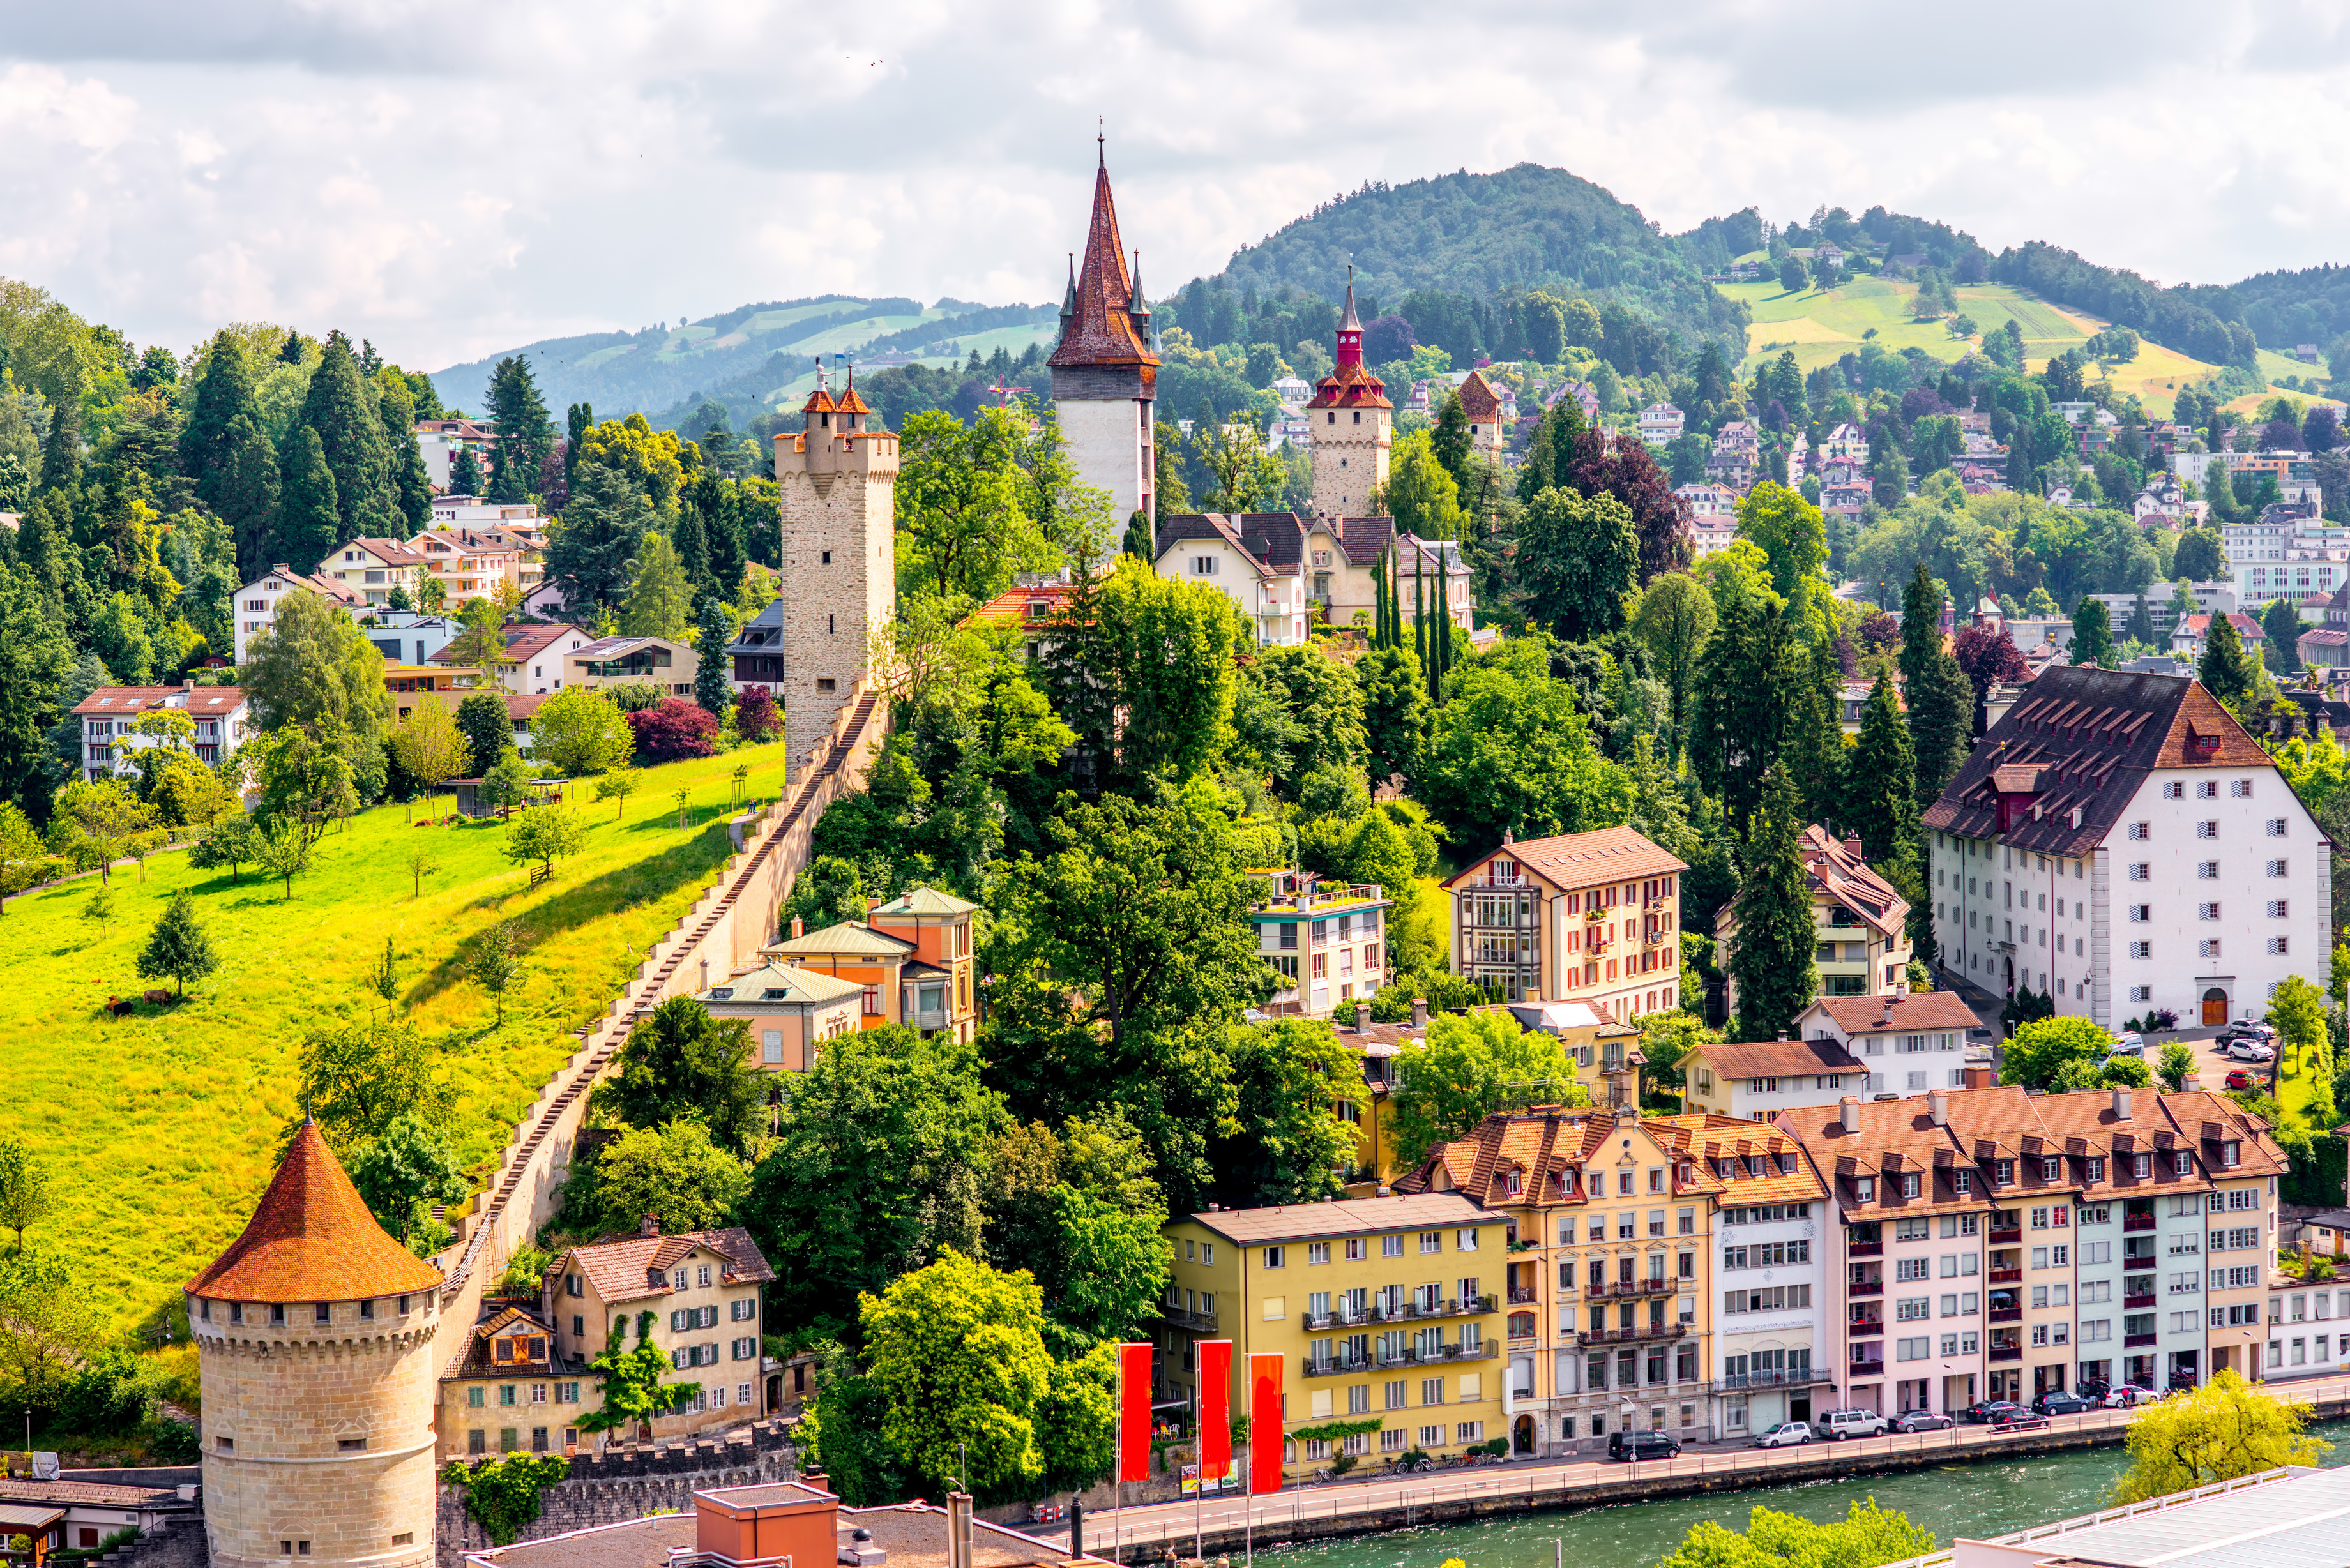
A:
x,y
838,481
1352,426
1105,377
314,1341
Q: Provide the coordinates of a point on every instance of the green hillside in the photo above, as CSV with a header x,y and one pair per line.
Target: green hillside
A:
x,y
180,1108
1482,234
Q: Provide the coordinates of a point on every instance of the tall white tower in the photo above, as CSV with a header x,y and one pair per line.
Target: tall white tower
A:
x,y
1105,377
1351,425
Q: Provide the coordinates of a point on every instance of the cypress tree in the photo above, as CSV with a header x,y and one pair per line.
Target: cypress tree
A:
x,y
1771,963
1816,752
2093,633
61,452
309,522
245,494
2225,671
711,688
350,438
225,393
578,420
1881,797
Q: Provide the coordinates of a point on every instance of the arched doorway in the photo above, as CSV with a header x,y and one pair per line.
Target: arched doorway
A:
x,y
1522,1436
2215,1006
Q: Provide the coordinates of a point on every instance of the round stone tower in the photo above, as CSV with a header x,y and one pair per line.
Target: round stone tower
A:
x,y
314,1334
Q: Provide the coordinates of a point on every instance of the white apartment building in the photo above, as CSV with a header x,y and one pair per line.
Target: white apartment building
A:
x,y
1261,569
469,562
110,719
1772,1343
1908,1043
374,567
439,441
2118,841
256,602
1660,423
2308,1328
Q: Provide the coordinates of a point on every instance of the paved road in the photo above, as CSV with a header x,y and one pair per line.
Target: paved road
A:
x,y
1571,1481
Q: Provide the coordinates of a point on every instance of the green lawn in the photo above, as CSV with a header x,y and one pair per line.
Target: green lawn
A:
x,y
159,1127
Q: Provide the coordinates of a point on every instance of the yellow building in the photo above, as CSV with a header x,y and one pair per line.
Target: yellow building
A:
x,y
1385,1308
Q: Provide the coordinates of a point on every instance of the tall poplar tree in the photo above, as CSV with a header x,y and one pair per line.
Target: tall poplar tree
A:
x,y
337,409
1771,963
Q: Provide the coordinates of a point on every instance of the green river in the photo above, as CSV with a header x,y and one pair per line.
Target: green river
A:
x,y
1980,1500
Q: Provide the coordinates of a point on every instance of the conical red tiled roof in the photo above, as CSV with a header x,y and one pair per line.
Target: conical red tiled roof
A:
x,y
1351,385
313,1240
1099,329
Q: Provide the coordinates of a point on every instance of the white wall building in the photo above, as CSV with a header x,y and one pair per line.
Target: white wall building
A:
x,y
2118,841
256,602
110,714
1212,548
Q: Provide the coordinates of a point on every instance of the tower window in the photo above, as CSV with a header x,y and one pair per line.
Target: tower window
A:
x,y
828,557
1359,416
322,1312
1334,416
826,683
276,1315
827,623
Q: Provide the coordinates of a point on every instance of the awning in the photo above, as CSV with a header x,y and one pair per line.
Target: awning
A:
x,y
24,1518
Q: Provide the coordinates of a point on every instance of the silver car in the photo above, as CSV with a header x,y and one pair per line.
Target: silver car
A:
x,y
1921,1421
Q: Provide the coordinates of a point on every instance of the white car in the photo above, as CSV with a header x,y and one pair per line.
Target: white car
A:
x,y
1785,1435
2247,1051
2131,1044
2123,1396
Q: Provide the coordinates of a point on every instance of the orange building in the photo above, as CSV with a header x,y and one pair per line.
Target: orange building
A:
x,y
912,955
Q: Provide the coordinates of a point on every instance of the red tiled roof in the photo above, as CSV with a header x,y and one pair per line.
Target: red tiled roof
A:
x,y
1918,1010
1578,859
1099,330
313,1240
1477,399
203,702
621,1266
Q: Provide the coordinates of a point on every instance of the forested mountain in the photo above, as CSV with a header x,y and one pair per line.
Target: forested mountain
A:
x,y
1487,236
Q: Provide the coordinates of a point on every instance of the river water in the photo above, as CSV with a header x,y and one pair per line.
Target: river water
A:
x,y
1987,1498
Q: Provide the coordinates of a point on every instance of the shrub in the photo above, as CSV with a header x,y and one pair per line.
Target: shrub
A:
x,y
674,731
756,716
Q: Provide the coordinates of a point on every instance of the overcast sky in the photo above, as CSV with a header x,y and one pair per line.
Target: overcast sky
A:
x,y
454,179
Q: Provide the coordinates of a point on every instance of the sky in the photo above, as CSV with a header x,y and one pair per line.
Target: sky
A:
x,y
451,180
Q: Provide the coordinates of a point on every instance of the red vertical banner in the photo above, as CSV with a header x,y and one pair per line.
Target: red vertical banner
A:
x,y
1133,1412
1265,1423
1215,1408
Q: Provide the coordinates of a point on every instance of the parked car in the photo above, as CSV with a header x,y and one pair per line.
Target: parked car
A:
x,y
2248,1030
2247,1051
1838,1424
1983,1410
1921,1421
1785,1435
2131,1044
2057,1402
2016,1416
2239,1079
2123,1396
1643,1446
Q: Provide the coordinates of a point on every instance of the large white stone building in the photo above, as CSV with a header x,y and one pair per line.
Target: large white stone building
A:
x,y
2118,841
1105,377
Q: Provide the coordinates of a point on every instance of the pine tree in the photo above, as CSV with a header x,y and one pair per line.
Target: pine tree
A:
x,y
179,947
411,486
1450,439
1881,794
1816,754
245,493
1747,679
1770,962
2227,671
211,434
2093,633
658,604
61,452
525,435
721,529
1939,696
710,686
309,523
465,472
693,545
351,439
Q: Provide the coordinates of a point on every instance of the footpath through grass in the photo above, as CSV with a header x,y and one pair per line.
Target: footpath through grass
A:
x,y
159,1128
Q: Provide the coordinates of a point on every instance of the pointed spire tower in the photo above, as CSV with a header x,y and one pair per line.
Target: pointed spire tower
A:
x,y
1105,377
314,1343
1350,425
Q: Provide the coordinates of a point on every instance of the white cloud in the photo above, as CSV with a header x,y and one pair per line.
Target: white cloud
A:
x,y
453,183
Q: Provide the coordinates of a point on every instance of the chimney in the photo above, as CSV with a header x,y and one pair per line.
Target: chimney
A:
x,y
2121,1103
1849,1109
1979,1078
1508,838
1851,846
705,975
1420,1012
958,1529
1937,1107
648,1225
798,928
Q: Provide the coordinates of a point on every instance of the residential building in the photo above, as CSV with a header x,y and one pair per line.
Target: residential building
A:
x,y
409,684
656,661
791,1011
703,1290
1907,1041
1709,500
375,567
2079,805
67,1511
1105,375
1381,1306
757,652
513,1389
2308,1328
912,957
256,602
1860,925
439,441
2022,1239
1662,1273
1328,940
1605,1053
2326,1233
1756,1081
109,719
1711,535
2211,598
1660,424
532,662
1257,559
1340,555
1483,407
500,524
470,563
1592,918
1351,425
407,637
1736,456
1847,441
1440,565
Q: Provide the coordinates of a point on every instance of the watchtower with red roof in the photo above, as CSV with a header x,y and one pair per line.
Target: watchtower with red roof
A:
x,y
837,485
1105,375
314,1341
1350,425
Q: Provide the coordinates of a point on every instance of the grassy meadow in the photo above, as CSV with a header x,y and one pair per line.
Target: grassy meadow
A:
x,y
159,1128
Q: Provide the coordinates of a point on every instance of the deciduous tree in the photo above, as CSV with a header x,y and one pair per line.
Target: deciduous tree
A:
x,y
2224,1429
1468,1066
403,1171
672,1171
1577,558
542,833
659,601
1866,1535
430,746
2040,1051
2093,633
958,1350
682,1064
26,1197
495,962
358,1079
481,719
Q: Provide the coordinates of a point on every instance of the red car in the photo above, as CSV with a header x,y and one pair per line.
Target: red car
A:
x,y
2239,1079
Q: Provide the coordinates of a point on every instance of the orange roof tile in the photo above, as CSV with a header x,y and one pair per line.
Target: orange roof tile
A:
x,y
1580,860
1478,400
1099,328
313,1240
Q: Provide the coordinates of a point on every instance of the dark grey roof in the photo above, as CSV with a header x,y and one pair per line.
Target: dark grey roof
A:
x,y
762,633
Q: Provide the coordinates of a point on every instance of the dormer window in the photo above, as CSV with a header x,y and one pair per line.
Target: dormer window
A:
x,y
1962,1182
2230,1152
1864,1188
2002,1172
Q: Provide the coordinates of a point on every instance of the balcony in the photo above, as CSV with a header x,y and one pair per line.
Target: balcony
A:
x,y
1864,1249
1864,1331
2137,1221
2007,1352
1179,1317
2137,1303
2005,1315
1627,1335
2005,1276
1801,1377
1865,1368
1522,1295
2137,1341
2006,1238
1353,895
1864,1288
